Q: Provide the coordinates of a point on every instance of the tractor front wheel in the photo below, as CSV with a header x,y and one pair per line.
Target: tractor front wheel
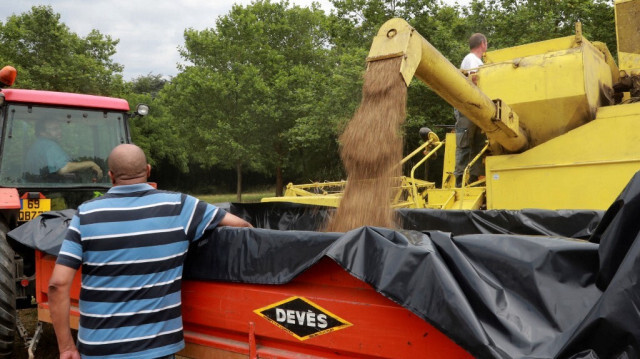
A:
x,y
8,294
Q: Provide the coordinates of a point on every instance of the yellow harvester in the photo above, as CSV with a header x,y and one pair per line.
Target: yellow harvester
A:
x,y
561,118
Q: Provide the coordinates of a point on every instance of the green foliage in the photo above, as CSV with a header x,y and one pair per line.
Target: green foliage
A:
x,y
158,133
314,138
149,84
50,57
516,22
254,86
270,86
356,22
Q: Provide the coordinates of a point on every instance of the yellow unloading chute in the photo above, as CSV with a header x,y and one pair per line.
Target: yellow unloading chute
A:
x,y
568,138
420,59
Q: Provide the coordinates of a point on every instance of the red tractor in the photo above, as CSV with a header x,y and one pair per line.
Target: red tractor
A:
x,y
53,155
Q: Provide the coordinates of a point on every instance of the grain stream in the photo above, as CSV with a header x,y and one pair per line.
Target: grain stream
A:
x,y
371,150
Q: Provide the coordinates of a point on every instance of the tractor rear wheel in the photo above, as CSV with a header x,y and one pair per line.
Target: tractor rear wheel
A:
x,y
8,294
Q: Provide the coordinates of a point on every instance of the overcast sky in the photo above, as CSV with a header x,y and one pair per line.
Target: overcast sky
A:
x,y
149,31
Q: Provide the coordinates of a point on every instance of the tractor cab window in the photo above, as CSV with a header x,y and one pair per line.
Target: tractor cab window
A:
x,y
46,147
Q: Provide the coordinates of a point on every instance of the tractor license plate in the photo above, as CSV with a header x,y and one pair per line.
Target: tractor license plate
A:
x,y
31,208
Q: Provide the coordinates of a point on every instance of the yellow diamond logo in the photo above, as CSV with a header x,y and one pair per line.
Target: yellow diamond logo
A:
x,y
302,318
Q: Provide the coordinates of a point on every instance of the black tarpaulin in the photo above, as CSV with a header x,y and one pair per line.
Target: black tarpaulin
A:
x,y
45,232
497,296
501,284
256,256
612,327
579,224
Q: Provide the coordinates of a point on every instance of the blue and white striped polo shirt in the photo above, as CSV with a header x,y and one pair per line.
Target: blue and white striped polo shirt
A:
x,y
131,244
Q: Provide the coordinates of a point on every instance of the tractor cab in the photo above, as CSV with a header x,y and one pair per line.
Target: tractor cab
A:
x,y
53,156
57,143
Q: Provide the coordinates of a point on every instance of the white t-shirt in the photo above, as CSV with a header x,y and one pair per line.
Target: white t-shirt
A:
x,y
471,61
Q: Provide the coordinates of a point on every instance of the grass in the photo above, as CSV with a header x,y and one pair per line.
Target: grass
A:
x,y
248,197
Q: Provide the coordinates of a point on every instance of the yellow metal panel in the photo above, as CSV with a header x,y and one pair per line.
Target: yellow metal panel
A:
x,y
628,34
583,169
536,48
615,71
319,200
628,61
458,198
598,81
553,92
611,112
448,179
441,198
470,198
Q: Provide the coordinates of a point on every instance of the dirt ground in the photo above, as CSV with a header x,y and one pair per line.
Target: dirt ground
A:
x,y
47,346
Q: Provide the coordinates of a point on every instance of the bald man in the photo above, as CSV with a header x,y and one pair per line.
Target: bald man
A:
x,y
131,244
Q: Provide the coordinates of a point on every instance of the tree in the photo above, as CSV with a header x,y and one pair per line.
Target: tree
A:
x,y
254,77
314,138
150,84
50,57
215,117
356,22
516,22
158,133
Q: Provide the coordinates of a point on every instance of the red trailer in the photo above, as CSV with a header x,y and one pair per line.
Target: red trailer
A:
x,y
323,313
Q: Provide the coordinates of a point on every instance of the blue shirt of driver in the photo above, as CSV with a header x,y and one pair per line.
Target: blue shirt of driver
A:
x,y
45,156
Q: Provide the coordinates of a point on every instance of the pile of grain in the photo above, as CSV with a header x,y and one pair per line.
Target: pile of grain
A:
x,y
371,148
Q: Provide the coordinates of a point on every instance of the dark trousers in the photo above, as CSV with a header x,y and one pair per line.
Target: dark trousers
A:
x,y
469,142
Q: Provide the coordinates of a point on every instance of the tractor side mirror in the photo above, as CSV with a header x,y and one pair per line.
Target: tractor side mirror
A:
x,y
141,110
